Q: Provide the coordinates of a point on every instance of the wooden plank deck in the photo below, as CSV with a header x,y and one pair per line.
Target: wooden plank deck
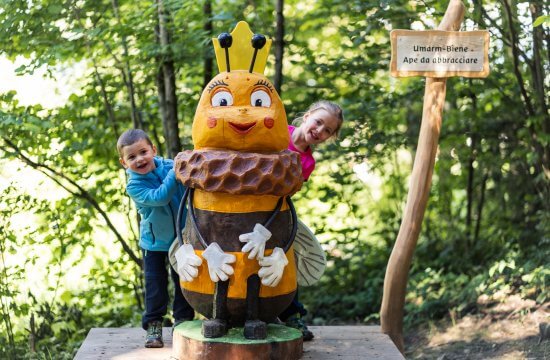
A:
x,y
330,342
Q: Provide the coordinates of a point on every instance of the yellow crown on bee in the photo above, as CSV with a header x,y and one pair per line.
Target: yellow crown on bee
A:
x,y
239,51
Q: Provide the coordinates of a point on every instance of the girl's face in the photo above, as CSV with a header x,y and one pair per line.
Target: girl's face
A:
x,y
318,126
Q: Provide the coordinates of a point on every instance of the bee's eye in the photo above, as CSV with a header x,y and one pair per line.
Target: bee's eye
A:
x,y
222,98
260,98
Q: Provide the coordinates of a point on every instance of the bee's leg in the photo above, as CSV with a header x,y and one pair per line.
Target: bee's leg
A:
x,y
254,328
217,326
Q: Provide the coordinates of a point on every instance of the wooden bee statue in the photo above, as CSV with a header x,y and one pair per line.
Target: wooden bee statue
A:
x,y
236,260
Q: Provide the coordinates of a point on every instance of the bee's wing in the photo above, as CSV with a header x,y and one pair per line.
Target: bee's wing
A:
x,y
172,254
310,256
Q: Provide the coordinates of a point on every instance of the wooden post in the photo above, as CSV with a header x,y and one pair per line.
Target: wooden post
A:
x,y
395,282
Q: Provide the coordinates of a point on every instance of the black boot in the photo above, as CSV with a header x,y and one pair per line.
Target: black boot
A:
x,y
214,328
217,327
255,330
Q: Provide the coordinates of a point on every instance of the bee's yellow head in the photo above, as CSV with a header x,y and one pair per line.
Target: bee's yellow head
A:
x,y
240,109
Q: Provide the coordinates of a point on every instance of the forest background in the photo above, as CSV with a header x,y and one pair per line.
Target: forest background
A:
x,y
68,235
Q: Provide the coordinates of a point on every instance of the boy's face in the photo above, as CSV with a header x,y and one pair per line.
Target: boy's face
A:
x,y
138,157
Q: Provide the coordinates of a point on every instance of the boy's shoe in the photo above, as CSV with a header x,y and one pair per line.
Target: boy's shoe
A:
x,y
154,335
297,323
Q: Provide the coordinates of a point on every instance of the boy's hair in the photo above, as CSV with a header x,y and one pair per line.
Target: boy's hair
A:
x,y
330,107
130,137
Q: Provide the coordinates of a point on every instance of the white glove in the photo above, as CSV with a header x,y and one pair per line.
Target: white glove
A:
x,y
218,261
187,262
272,267
255,241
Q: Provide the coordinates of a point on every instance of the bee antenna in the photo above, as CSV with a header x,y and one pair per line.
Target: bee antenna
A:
x,y
258,42
226,40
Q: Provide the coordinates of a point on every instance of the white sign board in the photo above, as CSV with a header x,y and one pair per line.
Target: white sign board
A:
x,y
435,53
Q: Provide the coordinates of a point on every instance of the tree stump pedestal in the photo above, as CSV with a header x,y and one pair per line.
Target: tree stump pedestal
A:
x,y
281,343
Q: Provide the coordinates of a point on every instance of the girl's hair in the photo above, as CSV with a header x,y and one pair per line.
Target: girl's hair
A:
x,y
330,107
130,137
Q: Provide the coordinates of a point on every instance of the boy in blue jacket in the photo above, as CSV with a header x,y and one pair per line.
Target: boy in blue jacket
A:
x,y
153,187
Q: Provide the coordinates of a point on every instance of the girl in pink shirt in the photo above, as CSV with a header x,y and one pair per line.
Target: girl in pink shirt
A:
x,y
322,121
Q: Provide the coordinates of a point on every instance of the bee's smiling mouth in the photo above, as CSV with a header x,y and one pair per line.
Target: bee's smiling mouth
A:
x,y
242,128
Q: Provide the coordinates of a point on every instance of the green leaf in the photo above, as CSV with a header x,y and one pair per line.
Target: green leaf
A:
x,y
544,19
66,296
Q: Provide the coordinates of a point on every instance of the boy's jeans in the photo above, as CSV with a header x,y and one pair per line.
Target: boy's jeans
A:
x,y
156,290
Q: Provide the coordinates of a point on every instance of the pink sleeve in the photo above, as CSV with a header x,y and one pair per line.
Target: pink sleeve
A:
x,y
308,164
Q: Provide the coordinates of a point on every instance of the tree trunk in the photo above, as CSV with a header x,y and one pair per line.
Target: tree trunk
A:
x,y
279,46
480,206
170,124
471,170
395,281
530,106
208,28
538,81
159,80
127,74
515,58
106,103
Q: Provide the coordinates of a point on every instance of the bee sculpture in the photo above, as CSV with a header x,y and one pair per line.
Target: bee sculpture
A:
x,y
236,259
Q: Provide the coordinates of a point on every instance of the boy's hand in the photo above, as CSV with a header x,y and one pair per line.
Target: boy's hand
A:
x,y
187,262
218,262
272,267
255,241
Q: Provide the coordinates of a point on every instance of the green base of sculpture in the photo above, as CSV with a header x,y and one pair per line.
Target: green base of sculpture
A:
x,y
281,343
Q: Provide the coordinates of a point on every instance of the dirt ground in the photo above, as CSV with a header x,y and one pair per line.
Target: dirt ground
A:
x,y
505,327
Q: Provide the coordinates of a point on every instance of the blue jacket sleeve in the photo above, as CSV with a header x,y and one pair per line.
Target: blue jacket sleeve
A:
x,y
153,197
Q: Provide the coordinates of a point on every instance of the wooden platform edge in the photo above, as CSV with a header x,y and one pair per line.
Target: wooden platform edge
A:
x,y
330,342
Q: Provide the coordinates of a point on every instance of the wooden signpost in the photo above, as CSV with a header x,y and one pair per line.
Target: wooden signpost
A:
x,y
435,55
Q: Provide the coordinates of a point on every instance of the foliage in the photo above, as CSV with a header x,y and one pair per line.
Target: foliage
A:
x,y
486,229
59,315
438,292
